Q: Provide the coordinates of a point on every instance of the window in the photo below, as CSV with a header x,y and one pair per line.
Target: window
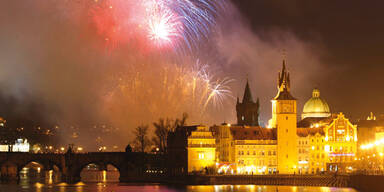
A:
x,y
201,155
286,118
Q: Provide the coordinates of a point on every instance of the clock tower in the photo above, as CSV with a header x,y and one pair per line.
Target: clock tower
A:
x,y
284,119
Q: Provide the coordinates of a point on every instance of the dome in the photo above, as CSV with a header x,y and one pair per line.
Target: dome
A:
x,y
316,106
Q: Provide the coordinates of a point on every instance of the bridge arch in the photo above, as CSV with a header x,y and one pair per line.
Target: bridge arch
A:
x,y
99,172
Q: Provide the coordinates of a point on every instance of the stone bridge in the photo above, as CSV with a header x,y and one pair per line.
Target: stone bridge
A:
x,y
131,166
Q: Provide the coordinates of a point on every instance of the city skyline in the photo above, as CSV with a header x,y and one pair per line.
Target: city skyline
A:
x,y
65,71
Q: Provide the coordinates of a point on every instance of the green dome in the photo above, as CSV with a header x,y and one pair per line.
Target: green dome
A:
x,y
316,106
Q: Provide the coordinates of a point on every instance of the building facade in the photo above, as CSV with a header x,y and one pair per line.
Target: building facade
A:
x,y
201,149
319,142
284,114
246,149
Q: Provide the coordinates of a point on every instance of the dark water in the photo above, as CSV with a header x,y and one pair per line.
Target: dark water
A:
x,y
115,187
39,181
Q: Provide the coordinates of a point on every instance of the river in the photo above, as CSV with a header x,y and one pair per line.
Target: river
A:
x,y
118,187
35,180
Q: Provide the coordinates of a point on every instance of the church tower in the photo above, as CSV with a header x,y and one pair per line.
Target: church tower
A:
x,y
284,118
248,110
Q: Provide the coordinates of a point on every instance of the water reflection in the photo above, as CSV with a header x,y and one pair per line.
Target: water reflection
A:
x,y
101,187
264,188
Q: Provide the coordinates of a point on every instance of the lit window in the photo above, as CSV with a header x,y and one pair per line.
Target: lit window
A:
x,y
201,155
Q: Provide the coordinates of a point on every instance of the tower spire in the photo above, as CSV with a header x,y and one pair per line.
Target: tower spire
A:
x,y
247,94
284,84
248,110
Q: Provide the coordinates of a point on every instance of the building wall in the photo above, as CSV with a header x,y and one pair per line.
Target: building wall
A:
x,y
303,147
333,149
223,143
341,136
318,155
201,149
284,113
255,156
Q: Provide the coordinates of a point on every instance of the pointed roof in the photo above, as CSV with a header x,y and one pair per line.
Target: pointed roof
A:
x,y
247,98
284,85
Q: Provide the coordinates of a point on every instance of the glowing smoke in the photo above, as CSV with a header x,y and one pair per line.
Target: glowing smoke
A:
x,y
54,54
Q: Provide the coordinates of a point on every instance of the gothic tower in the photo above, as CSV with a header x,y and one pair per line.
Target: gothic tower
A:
x,y
247,110
284,118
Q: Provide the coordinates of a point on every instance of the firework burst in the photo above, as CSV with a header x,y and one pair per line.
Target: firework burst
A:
x,y
175,24
173,90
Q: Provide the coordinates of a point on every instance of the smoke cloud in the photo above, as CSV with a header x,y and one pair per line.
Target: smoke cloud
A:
x,y
55,70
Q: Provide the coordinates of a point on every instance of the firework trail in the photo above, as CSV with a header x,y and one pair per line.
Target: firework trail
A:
x,y
175,24
173,91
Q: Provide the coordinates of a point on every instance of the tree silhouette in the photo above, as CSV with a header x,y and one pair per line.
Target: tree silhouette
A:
x,y
141,138
163,127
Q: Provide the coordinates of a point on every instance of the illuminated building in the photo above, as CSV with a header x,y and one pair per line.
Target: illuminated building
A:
x,y
257,150
284,120
245,149
21,145
370,130
332,139
303,147
316,106
319,142
201,149
371,143
312,150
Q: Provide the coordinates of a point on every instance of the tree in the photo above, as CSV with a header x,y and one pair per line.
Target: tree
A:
x,y
180,122
141,138
163,127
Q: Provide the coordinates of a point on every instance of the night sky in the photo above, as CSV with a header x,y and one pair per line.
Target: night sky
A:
x,y
351,36
57,68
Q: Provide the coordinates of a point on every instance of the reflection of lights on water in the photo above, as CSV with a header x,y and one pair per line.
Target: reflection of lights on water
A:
x,y
325,189
50,176
79,188
251,187
38,186
80,184
104,176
